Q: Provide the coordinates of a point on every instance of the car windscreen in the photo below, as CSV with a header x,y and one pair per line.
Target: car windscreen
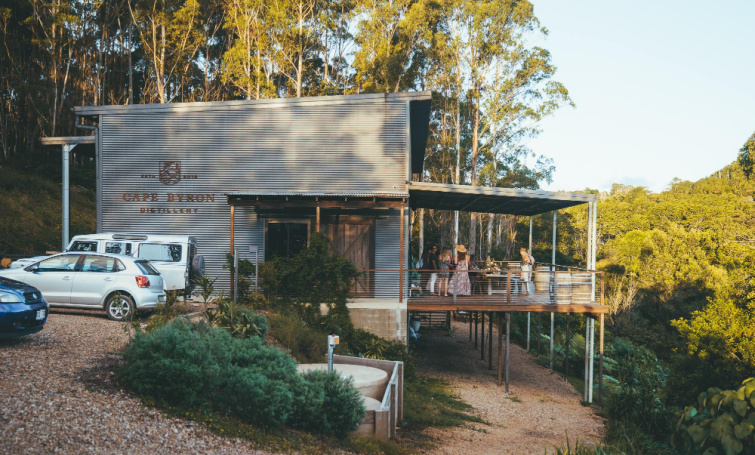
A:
x,y
146,268
163,252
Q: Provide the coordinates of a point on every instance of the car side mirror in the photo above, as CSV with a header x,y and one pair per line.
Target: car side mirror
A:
x,y
32,268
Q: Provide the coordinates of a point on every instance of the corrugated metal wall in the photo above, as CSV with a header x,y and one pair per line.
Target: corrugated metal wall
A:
x,y
387,252
358,148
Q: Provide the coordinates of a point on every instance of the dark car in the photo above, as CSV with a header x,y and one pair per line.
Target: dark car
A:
x,y
22,309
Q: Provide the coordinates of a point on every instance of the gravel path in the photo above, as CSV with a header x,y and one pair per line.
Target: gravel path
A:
x,y
56,396
537,414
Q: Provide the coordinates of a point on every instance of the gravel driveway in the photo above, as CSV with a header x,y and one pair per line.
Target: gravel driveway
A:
x,y
57,396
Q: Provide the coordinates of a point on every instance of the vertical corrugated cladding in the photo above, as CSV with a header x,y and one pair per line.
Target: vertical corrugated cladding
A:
x,y
167,171
387,252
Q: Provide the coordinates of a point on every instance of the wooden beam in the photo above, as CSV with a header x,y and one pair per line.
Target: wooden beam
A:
x,y
591,310
274,204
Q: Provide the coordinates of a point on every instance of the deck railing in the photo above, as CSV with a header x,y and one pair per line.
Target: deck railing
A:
x,y
509,285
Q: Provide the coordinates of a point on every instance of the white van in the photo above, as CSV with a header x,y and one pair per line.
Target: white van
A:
x,y
174,256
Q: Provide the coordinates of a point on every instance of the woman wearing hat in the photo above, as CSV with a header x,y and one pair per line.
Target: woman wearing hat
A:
x,y
459,283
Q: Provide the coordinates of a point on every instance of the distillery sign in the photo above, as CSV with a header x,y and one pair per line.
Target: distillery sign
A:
x,y
169,173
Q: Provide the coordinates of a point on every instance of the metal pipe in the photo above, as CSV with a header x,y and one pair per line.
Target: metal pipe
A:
x,y
600,360
97,165
566,355
592,357
482,336
66,193
490,341
508,341
553,269
528,313
587,343
475,330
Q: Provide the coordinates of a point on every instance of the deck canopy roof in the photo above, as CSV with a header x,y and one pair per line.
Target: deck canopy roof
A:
x,y
484,199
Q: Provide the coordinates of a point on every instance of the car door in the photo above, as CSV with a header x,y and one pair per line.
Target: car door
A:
x,y
54,277
97,275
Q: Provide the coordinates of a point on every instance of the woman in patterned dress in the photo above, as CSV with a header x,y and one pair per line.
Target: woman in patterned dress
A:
x,y
459,283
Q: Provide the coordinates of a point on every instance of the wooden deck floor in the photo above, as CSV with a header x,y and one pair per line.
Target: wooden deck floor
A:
x,y
537,302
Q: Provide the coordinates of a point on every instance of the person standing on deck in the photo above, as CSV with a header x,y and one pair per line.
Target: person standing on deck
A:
x,y
528,261
433,265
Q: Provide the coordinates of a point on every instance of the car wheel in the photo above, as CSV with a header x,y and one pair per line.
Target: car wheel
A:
x,y
119,307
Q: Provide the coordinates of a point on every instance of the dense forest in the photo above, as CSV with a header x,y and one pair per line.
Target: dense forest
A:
x,y
678,263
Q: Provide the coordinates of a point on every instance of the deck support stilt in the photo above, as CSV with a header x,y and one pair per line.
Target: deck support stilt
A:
x,y
500,349
508,350
475,330
600,361
528,331
587,357
490,341
482,336
553,326
567,349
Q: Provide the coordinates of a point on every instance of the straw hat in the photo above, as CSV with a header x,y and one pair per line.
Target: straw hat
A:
x,y
461,248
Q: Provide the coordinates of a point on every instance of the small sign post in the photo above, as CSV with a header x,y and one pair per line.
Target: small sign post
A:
x,y
332,342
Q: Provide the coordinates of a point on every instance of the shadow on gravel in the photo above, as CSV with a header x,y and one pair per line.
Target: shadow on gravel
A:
x,y
100,376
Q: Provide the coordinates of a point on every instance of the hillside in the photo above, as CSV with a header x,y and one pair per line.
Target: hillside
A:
x,y
31,208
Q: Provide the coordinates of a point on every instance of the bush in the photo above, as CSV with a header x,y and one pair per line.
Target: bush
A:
x,y
641,381
196,365
723,422
239,320
306,344
326,406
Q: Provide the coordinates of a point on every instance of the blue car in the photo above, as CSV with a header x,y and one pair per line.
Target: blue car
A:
x,y
23,310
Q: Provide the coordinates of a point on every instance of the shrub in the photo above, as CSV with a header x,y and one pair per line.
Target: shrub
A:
x,y
239,320
723,422
163,314
306,344
641,382
327,405
311,278
196,365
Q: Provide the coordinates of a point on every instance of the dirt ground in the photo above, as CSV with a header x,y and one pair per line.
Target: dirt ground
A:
x,y
534,418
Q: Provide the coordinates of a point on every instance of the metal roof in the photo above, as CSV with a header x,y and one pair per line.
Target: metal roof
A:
x,y
246,104
483,199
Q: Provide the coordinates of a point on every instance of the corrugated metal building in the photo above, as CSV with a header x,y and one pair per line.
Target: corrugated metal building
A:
x,y
288,166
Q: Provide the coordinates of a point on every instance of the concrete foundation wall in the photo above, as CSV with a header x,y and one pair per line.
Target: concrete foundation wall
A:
x,y
383,317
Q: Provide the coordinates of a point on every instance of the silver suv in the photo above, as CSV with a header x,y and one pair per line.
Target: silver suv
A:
x,y
121,285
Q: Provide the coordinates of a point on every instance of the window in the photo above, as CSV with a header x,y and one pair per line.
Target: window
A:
x,y
83,246
63,263
285,239
164,252
118,248
94,263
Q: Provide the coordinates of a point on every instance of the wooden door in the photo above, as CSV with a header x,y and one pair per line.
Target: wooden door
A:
x,y
354,239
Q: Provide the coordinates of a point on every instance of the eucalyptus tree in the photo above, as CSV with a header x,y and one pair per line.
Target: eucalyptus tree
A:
x,y
746,158
392,38
171,34
246,63
505,80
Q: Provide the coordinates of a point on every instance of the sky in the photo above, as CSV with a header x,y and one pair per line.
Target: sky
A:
x,y
663,89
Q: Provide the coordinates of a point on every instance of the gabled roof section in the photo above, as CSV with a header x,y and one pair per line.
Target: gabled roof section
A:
x,y
483,199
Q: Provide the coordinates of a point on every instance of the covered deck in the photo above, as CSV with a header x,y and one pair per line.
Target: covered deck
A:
x,y
500,291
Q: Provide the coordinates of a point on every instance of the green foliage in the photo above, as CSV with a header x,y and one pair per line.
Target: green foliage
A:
x,y
196,365
746,158
246,270
305,343
163,314
638,397
723,422
311,281
239,320
31,212
206,286
326,406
